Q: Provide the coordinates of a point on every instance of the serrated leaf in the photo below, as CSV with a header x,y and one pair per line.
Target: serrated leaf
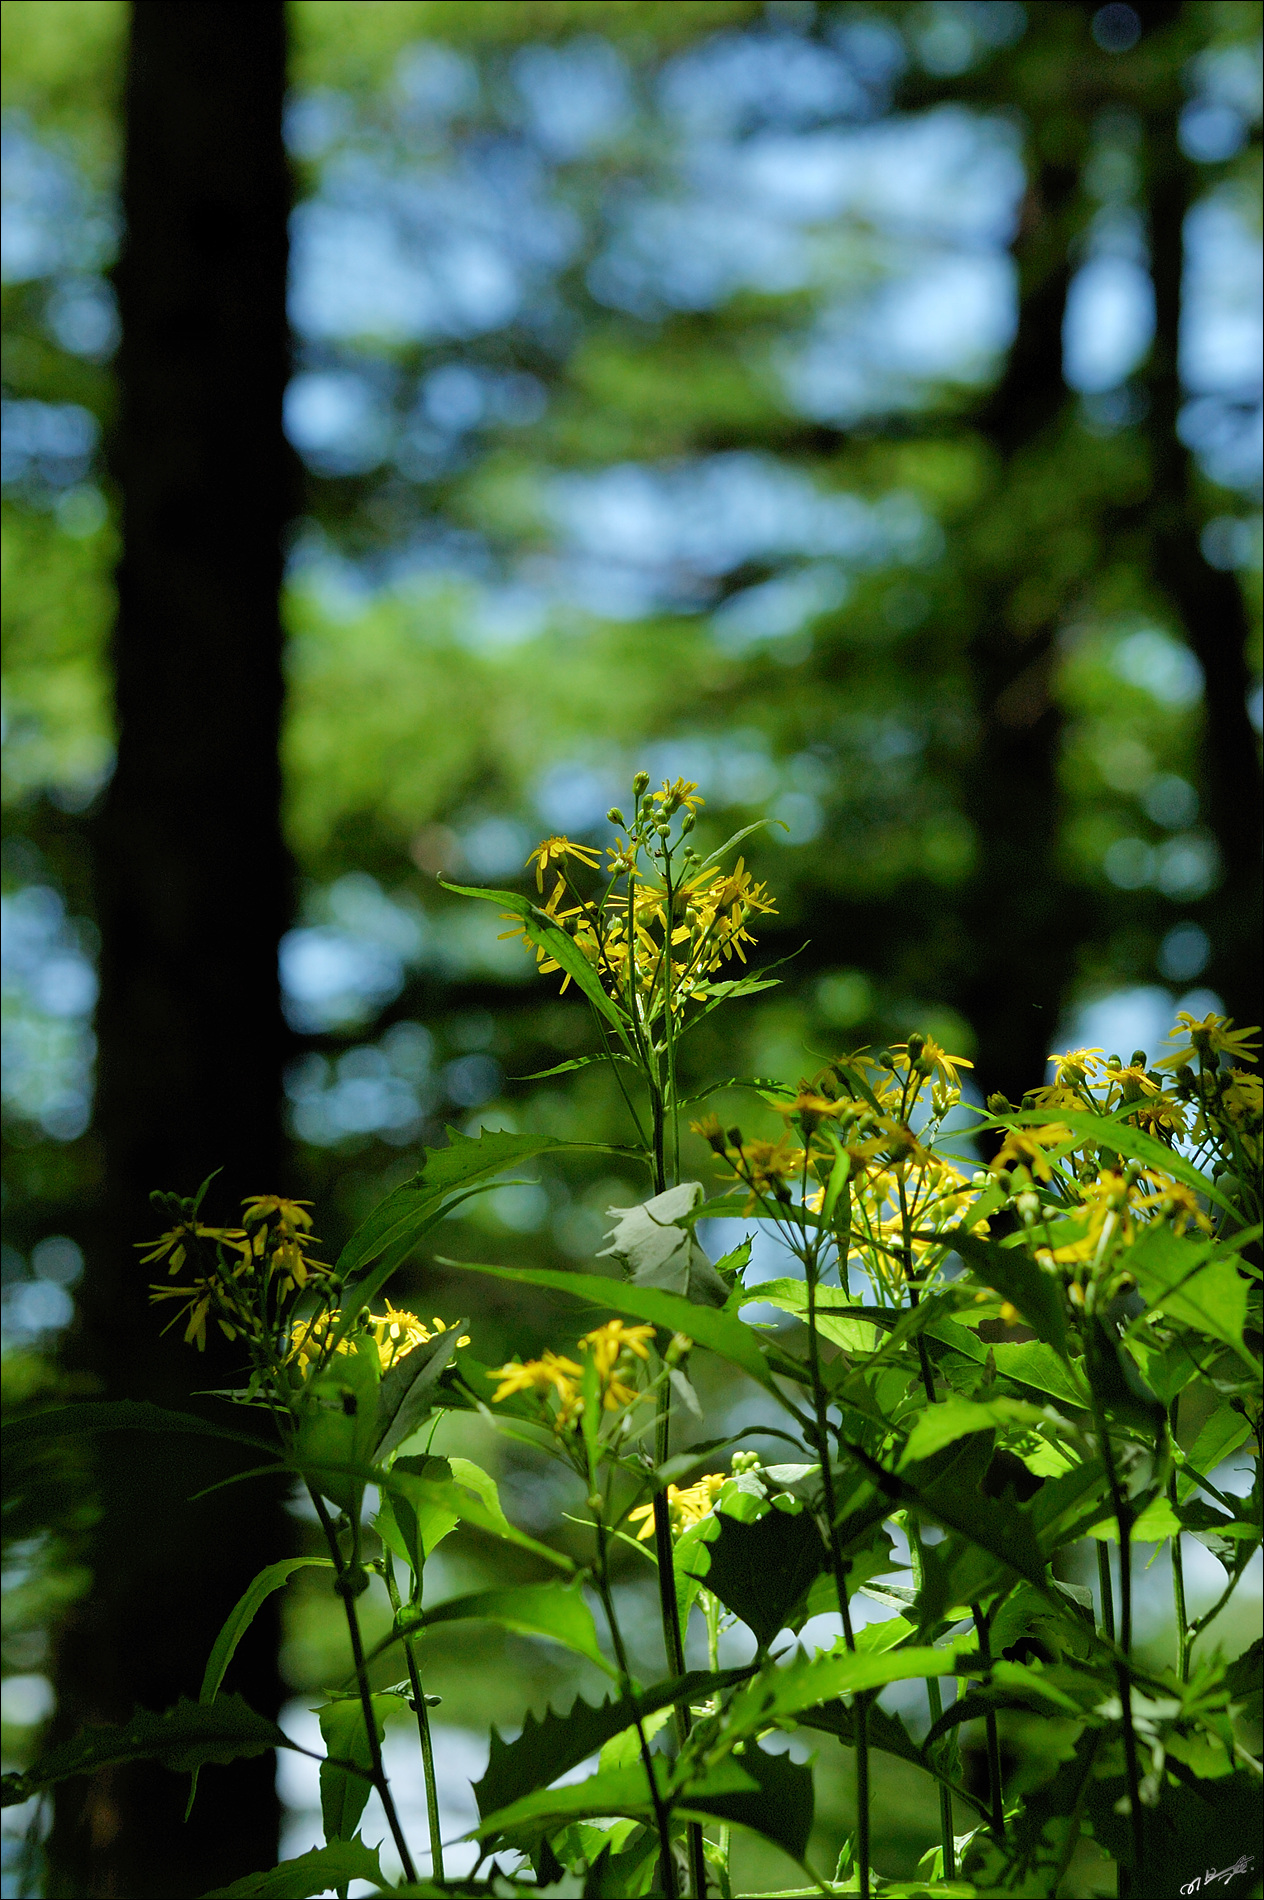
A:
x,y
706,1326
1219,1435
836,1318
886,1731
1121,1139
761,1571
312,1873
807,1681
553,1744
780,1805
185,1737
464,1500
1028,1362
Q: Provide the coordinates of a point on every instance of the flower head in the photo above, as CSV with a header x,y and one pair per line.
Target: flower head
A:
x,y
687,1507
556,851
1213,1036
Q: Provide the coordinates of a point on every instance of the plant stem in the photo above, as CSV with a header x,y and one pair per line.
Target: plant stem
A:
x,y
343,1570
711,1609
996,1793
1123,1675
1178,1566
860,1702
423,1727
1105,1589
669,1610
935,1701
662,1818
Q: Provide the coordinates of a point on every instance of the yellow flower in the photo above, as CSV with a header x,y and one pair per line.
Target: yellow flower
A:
x,y
614,1338
394,1333
672,797
1026,1147
938,1059
555,851
687,1507
1214,1034
174,1244
292,1216
550,1373
1077,1065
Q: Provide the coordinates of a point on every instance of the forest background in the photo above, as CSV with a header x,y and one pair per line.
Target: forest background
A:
x,y
854,408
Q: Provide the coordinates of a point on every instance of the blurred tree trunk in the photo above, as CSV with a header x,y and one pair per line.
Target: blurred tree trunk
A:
x,y
1023,919
193,892
1208,601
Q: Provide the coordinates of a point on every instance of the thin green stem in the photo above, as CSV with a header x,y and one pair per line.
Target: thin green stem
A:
x,y
935,1701
860,1702
1178,1561
344,1577
1105,1590
669,1610
1123,1674
662,1818
996,1792
423,1726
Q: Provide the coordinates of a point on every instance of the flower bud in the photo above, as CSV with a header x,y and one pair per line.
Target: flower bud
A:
x,y
735,1136
1139,1059
687,823
615,817
999,1104
640,784
916,1044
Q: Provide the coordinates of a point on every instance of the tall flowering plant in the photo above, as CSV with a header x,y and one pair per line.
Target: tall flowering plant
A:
x,y
983,1373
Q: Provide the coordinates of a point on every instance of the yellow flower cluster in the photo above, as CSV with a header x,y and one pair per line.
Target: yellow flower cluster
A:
x,y
240,1273
1111,1209
687,1507
553,1377
394,1333
656,941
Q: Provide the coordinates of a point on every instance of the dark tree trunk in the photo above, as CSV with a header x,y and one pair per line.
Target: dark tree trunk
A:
x,y
1023,919
1209,604
193,892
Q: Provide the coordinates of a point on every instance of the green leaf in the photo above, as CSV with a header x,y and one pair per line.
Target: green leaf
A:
x,y
1121,1139
706,1326
443,1172
779,1806
122,1415
184,1738
807,1681
1028,1362
1220,1435
344,1791
405,1394
576,1062
240,1617
956,1499
555,1610
760,824
315,1872
554,1743
1155,1525
835,1312
338,1426
243,1613
1197,1826
761,1571
546,935
955,1418
468,1500
885,1731
1175,1278
1017,1278
1117,1385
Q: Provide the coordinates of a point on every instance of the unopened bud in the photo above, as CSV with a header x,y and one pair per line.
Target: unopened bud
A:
x,y
1113,1062
1139,1059
999,1104
735,1136
616,817
687,822
640,784
916,1044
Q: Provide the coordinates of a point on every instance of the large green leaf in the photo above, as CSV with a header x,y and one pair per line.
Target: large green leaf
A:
x,y
1028,1362
466,1499
1220,1434
547,935
954,1496
763,1797
941,1425
1176,1278
1018,1278
338,1426
316,1872
555,1610
554,1743
885,1731
123,1415
184,1738
835,1314
345,1789
807,1681
761,1571
706,1326
239,1619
